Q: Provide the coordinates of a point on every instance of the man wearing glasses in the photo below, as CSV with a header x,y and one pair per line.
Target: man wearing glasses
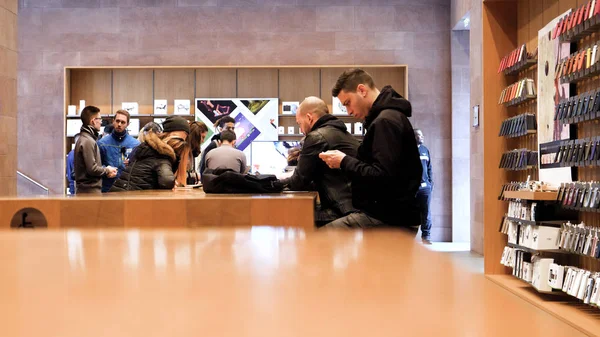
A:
x,y
88,164
116,147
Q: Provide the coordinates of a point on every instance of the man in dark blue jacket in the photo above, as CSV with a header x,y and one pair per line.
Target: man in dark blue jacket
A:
x,y
386,173
71,167
115,148
424,193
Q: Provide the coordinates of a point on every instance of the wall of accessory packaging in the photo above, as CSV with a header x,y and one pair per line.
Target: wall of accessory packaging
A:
x,y
584,98
554,241
519,128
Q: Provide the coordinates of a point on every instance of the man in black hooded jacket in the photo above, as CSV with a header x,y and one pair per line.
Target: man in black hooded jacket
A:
x,y
323,132
386,173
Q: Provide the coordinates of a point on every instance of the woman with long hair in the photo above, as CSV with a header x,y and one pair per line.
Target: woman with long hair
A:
x,y
198,132
160,162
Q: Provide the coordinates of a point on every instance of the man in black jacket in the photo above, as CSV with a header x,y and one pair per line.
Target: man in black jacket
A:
x,y
323,132
224,123
425,189
386,173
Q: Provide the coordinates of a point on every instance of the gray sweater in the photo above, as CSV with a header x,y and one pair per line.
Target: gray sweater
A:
x,y
226,156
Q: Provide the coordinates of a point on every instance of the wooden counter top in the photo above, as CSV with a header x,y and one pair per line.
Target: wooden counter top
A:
x,y
259,282
168,209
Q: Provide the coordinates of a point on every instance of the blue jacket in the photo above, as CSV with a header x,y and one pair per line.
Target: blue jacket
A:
x,y
112,149
71,171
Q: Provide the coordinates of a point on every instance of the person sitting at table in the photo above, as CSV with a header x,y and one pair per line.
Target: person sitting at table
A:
x,y
226,156
323,132
222,124
160,162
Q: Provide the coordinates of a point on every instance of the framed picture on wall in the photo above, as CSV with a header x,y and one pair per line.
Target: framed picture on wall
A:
x,y
182,106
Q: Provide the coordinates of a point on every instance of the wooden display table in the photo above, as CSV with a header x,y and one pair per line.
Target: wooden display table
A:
x,y
260,282
168,209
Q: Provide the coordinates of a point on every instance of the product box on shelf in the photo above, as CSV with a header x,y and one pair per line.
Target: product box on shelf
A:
x,y
541,268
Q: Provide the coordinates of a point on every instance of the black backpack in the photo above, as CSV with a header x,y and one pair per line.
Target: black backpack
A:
x,y
229,181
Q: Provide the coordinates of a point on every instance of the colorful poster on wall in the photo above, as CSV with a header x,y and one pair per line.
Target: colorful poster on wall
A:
x,y
245,132
259,119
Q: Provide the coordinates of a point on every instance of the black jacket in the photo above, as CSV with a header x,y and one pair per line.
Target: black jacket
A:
x,y
425,157
151,167
335,193
213,145
386,174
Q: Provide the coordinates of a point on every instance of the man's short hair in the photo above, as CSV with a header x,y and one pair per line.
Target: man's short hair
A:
x,y
88,113
350,79
223,120
123,112
228,136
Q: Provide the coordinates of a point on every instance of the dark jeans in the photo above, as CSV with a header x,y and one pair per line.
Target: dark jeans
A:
x,y
86,190
361,220
424,200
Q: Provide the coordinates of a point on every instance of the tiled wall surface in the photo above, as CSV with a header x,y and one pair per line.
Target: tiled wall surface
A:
x,y
8,97
474,8
461,139
58,33
477,174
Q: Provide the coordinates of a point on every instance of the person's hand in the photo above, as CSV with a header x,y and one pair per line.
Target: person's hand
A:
x,y
332,158
112,172
126,162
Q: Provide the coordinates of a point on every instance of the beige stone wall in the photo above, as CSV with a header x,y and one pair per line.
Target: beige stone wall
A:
x,y
8,97
458,10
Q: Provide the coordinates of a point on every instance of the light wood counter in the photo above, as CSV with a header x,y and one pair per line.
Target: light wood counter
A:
x,y
259,282
168,209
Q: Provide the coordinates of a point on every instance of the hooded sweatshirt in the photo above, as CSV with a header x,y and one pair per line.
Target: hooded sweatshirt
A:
x,y
386,173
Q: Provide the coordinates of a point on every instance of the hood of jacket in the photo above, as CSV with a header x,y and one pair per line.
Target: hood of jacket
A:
x,y
90,130
388,99
152,145
329,120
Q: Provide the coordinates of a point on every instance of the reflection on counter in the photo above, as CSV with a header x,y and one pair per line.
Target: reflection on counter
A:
x,y
262,249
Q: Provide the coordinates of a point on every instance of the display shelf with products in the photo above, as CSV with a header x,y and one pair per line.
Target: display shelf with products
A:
x,y
518,159
578,109
536,251
531,195
518,93
549,223
567,109
580,23
517,61
520,100
520,66
519,126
